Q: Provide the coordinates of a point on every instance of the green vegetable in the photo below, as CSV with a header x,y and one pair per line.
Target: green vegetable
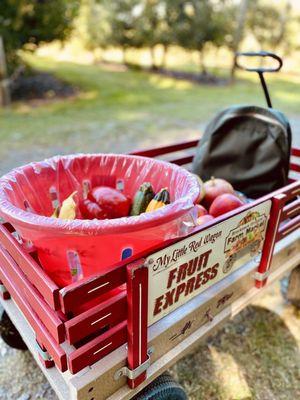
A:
x,y
142,198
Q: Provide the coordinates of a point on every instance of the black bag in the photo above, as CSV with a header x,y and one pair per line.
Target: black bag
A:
x,y
248,146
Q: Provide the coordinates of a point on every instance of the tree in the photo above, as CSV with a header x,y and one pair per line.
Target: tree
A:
x,y
123,19
200,22
239,16
92,25
26,23
269,25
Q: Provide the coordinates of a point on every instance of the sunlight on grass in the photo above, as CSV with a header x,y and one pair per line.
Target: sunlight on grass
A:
x,y
169,83
230,376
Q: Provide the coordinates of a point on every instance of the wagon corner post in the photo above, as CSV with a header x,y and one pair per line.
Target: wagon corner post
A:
x,y
137,327
261,276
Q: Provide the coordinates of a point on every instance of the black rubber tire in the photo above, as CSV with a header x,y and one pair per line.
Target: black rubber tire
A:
x,y
10,334
162,388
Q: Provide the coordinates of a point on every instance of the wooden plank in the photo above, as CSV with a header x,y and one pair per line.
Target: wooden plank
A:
x,y
56,352
291,210
294,167
278,202
98,348
158,151
48,316
295,152
33,271
289,227
137,332
110,312
90,288
182,160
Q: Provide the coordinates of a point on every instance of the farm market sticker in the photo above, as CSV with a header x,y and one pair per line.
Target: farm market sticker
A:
x,y
180,272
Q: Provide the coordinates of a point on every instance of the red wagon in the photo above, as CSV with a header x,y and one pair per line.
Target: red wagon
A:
x,y
160,305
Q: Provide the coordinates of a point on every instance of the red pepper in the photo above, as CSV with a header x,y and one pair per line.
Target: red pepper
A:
x,y
90,210
112,202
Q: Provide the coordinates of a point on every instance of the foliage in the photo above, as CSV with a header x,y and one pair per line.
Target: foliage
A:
x,y
269,25
122,19
200,23
92,24
26,23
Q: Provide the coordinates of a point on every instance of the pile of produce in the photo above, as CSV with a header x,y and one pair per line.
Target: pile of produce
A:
x,y
218,197
104,202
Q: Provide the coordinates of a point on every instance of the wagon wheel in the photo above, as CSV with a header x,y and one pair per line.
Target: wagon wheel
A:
x,y
162,388
10,334
290,287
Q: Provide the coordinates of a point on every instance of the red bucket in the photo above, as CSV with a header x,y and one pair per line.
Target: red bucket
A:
x,y
69,250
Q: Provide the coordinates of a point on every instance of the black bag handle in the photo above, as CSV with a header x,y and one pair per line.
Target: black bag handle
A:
x,y
260,70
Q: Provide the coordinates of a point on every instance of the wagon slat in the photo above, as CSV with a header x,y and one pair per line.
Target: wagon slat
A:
x,y
98,348
291,210
166,149
109,313
43,310
56,352
90,288
33,271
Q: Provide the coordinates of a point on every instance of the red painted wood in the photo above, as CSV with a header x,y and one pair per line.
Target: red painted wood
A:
x,y
295,152
137,298
37,303
5,295
289,227
158,151
33,271
46,363
90,288
182,160
98,348
291,210
56,352
278,202
294,167
110,312
292,190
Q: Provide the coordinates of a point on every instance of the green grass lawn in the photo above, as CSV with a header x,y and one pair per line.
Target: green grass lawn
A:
x,y
118,110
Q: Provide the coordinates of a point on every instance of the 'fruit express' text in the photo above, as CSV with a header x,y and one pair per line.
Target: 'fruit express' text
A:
x,y
185,279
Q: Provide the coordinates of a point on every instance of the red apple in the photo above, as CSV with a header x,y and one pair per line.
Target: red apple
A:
x,y
214,188
204,219
201,210
224,203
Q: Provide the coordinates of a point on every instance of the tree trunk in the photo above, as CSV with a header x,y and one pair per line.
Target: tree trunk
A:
x,y
152,54
203,69
4,81
164,56
124,55
238,35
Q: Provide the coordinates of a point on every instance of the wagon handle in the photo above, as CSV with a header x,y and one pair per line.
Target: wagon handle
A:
x,y
260,70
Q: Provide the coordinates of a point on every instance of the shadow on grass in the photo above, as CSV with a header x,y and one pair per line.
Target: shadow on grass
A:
x,y
127,88
253,357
